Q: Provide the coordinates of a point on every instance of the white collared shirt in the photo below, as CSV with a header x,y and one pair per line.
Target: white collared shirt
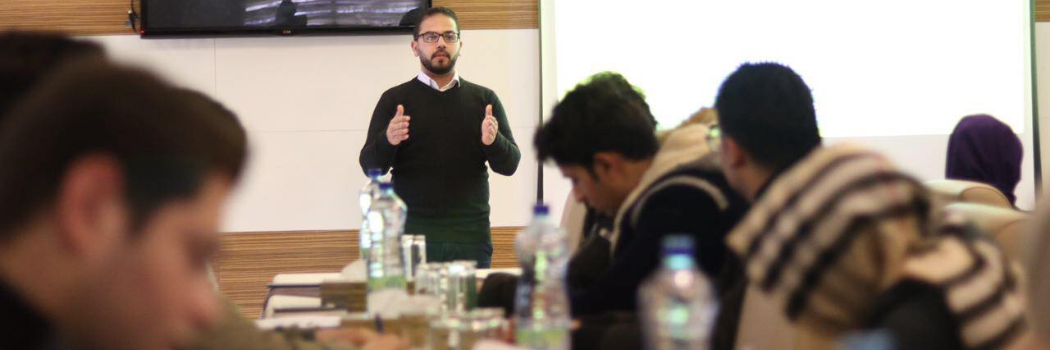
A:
x,y
423,77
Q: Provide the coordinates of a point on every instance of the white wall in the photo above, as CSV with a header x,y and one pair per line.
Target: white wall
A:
x,y
1042,54
307,102
923,156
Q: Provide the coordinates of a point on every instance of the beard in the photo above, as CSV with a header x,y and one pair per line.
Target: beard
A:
x,y
429,63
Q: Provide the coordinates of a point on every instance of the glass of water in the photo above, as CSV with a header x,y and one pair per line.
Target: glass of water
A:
x,y
414,254
463,288
460,330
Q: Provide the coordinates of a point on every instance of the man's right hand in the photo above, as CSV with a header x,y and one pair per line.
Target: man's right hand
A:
x,y
397,131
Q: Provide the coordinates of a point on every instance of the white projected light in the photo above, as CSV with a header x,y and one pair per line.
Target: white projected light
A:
x,y
893,67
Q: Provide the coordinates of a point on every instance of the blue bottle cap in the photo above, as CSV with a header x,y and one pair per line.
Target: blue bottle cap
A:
x,y
677,244
540,209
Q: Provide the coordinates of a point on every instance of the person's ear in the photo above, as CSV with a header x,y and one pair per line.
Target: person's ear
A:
x,y
732,155
605,165
415,47
90,212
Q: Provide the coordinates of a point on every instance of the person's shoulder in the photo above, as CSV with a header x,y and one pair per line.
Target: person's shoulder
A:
x,y
693,187
698,178
684,190
402,88
471,86
679,193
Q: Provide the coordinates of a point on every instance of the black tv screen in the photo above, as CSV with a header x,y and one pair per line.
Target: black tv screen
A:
x,y
238,17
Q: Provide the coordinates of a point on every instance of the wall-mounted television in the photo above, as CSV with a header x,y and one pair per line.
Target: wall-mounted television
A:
x,y
276,17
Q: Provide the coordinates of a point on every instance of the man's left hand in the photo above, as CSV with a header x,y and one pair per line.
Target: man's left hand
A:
x,y
489,127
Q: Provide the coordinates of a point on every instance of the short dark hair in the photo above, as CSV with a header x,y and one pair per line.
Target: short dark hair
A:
x,y
25,57
605,113
768,110
433,11
166,140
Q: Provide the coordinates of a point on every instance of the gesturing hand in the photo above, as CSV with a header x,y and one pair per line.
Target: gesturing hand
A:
x,y
489,127
397,131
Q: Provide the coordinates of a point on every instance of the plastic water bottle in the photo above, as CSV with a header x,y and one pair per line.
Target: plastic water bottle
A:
x,y
677,303
386,223
365,197
541,306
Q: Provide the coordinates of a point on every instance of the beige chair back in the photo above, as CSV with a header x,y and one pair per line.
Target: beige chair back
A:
x,y
1004,225
763,325
968,192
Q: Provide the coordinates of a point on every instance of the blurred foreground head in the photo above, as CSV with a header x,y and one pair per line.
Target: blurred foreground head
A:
x,y
25,57
112,184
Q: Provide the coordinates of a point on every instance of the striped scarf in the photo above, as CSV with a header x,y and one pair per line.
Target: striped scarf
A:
x,y
830,233
979,285
841,227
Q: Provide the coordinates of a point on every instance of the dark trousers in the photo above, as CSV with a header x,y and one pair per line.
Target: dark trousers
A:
x,y
442,252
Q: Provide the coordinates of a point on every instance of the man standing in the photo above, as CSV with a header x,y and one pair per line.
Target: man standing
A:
x,y
435,133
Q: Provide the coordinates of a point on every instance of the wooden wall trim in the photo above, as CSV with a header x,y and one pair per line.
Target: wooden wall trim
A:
x,y
247,261
107,17
1042,10
75,17
494,14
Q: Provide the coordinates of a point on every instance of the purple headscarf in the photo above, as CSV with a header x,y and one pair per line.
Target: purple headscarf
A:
x,y
983,149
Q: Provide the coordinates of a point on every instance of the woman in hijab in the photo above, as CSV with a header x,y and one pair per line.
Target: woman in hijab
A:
x,y
986,150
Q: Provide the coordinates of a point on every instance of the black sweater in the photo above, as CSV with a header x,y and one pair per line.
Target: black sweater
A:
x,y
668,206
440,170
673,204
915,317
23,327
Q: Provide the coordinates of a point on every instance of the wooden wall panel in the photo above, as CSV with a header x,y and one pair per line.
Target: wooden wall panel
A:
x,y
249,260
494,14
503,254
1042,10
77,17
104,17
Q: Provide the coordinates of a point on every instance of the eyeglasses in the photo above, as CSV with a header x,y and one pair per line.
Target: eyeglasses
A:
x,y
432,37
714,138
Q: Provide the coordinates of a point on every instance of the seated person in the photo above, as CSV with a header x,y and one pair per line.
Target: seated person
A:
x,y
843,240
25,58
602,137
234,332
587,228
986,150
106,221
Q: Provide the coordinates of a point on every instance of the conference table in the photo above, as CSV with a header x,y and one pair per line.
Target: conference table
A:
x,y
316,293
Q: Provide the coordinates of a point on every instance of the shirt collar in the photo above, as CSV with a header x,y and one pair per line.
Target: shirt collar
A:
x,y
425,79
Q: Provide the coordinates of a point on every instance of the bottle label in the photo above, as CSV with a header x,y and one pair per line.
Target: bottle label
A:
x,y
545,338
389,282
